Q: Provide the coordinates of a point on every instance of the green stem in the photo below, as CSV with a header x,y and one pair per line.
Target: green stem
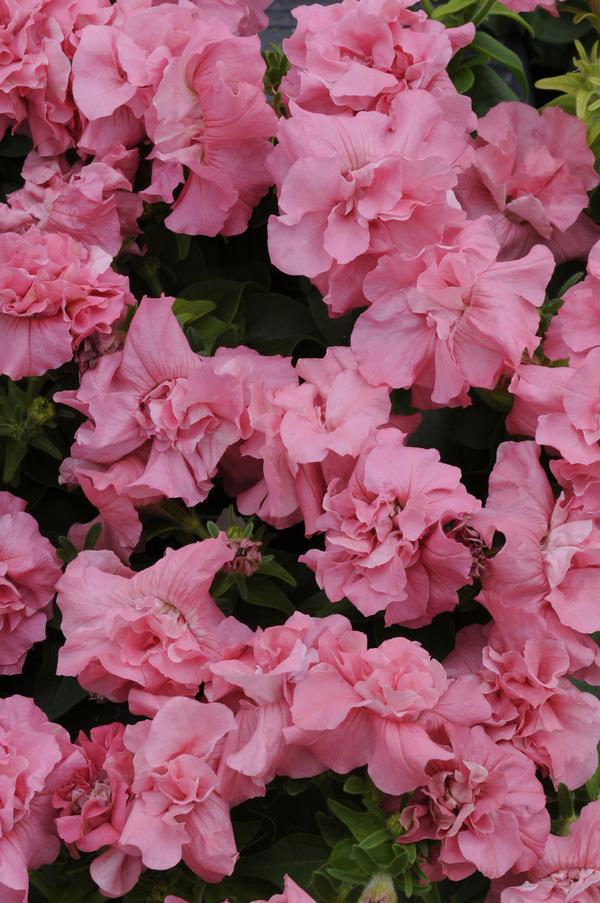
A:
x,y
41,884
428,7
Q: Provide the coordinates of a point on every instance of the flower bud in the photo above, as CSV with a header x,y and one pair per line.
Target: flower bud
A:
x,y
380,889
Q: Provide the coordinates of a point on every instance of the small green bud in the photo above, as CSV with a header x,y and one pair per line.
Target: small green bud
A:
x,y
380,889
41,411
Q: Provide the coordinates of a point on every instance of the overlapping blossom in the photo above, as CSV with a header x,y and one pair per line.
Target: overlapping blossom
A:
x,y
52,298
392,540
29,569
354,188
531,173
146,636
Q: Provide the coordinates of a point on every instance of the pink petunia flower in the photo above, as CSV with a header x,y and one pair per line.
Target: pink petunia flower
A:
x,y
552,551
569,869
531,173
52,298
93,203
301,435
380,707
174,74
36,758
93,807
359,54
575,329
259,685
353,188
161,402
484,804
453,318
29,569
145,636
534,706
389,544
177,811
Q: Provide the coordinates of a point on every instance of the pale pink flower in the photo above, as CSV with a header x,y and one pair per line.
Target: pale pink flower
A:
x,y
484,804
143,636
159,400
387,540
359,54
534,706
93,203
536,390
531,173
352,188
177,812
51,299
569,869
29,569
379,707
575,329
455,317
259,684
94,804
36,758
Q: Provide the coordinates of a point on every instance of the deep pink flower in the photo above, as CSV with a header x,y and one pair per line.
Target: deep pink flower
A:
x,y
177,812
36,757
569,870
378,707
533,705
387,545
359,54
145,636
159,400
94,804
29,569
484,804
531,173
455,317
352,188
52,298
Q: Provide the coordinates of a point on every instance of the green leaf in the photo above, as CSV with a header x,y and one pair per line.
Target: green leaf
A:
x,y
498,9
92,536
490,47
488,89
274,569
453,6
261,591
298,855
189,311
14,453
360,824
45,444
275,323
463,80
